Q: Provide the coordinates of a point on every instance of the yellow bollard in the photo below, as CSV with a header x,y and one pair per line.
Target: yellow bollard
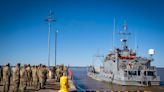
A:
x,y
63,83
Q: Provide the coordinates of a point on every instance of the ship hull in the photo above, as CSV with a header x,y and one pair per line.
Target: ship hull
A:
x,y
105,78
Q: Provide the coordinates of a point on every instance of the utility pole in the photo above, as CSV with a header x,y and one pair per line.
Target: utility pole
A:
x,y
56,36
49,19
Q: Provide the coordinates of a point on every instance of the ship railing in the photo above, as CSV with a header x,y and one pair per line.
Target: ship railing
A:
x,y
152,78
134,78
152,68
142,78
158,78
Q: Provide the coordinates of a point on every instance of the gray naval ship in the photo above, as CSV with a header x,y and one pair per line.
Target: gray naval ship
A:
x,y
123,66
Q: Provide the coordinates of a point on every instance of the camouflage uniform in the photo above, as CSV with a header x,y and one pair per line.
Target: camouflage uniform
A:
x,y
65,70
45,73
59,73
62,67
23,79
35,76
29,75
0,74
16,78
41,76
6,78
54,72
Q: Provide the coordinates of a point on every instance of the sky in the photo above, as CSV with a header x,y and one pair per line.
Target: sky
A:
x,y
85,29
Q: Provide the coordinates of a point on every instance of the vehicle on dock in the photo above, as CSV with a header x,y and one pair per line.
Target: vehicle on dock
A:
x,y
123,66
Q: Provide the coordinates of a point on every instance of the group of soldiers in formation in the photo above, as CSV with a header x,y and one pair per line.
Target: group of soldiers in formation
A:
x,y
26,75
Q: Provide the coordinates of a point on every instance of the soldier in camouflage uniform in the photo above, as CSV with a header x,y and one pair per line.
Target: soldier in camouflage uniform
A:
x,y
59,73
54,72
41,76
6,77
62,68
23,78
45,73
35,76
65,70
29,75
16,78
0,74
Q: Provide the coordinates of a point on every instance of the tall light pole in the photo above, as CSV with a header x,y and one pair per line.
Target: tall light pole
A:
x,y
56,34
49,19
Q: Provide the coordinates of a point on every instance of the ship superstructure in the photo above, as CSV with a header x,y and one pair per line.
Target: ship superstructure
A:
x,y
123,66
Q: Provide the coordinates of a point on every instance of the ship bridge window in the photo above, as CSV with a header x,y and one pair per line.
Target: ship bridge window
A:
x,y
145,73
138,73
132,72
150,73
125,73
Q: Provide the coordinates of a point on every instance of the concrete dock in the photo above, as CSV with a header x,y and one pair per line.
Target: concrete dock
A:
x,y
51,86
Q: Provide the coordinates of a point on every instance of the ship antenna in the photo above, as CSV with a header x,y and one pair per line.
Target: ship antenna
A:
x,y
125,26
135,42
49,19
97,56
124,34
114,29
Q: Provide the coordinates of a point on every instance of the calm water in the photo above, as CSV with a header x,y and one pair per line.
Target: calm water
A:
x,y
83,82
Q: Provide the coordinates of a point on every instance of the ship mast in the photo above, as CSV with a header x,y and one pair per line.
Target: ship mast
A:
x,y
124,35
114,29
